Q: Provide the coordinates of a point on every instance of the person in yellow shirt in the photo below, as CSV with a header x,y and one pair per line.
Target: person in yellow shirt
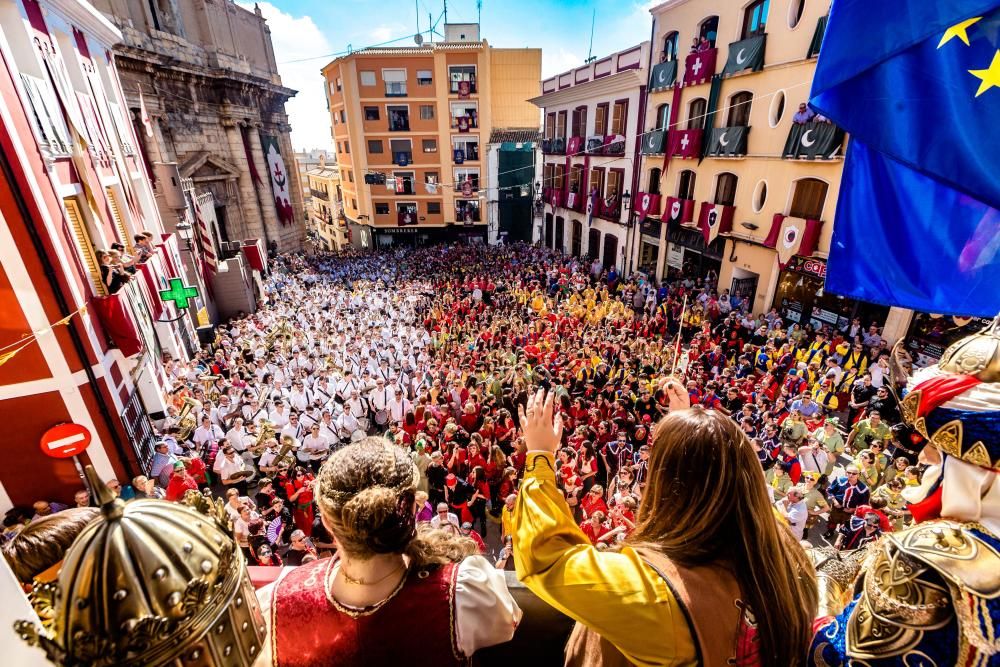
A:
x,y
703,561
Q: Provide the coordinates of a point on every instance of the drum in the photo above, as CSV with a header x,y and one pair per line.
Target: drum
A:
x,y
382,417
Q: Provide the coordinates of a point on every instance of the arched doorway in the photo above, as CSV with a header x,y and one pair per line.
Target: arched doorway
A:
x,y
548,230
560,234
577,241
594,244
610,250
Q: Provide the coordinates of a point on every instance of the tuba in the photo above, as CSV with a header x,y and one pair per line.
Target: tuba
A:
x,y
186,423
266,433
287,444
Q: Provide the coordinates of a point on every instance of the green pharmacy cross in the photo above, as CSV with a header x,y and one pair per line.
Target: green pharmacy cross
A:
x,y
179,294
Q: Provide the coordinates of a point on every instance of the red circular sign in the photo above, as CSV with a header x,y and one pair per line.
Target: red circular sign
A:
x,y
65,440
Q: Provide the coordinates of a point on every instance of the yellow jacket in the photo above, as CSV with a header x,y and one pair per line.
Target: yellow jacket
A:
x,y
615,593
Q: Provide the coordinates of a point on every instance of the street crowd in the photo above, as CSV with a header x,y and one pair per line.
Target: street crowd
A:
x,y
437,348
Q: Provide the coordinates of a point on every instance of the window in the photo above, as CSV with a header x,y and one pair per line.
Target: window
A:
x,y
596,180
696,113
795,9
685,185
777,109
374,145
663,117
402,151
669,47
381,208
808,199
424,77
404,182
371,113
407,213
340,84
343,116
426,112
725,189
709,29
463,175
83,243
601,119
468,110
395,82
347,146
575,178
550,126
468,145
367,77
339,148
561,125
755,18
558,176
759,196
739,109
350,176
619,117
434,207
430,145
654,181
457,74
579,127
354,203
616,178
399,118
333,87
431,177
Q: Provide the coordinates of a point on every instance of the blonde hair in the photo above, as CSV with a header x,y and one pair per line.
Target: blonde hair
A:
x,y
366,493
729,522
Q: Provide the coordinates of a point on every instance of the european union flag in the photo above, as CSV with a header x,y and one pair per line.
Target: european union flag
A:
x,y
917,221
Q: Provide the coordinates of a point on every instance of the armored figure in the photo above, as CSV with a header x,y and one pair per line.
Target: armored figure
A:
x,y
150,583
930,594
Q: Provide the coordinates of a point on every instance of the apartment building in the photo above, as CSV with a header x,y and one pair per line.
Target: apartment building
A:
x,y
410,128
746,177
326,200
592,115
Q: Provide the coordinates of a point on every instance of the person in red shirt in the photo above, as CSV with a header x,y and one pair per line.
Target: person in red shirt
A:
x,y
469,420
299,490
180,483
594,527
474,536
876,507
593,502
197,469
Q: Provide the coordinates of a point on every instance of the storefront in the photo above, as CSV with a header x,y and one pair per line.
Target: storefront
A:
x,y
649,245
930,335
800,297
700,260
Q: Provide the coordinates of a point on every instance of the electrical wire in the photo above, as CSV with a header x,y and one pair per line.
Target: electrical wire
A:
x,y
763,96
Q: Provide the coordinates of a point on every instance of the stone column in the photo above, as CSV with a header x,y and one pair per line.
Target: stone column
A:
x,y
271,223
246,195
896,324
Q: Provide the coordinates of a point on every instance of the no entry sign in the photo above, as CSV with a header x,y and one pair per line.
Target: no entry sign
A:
x,y
65,440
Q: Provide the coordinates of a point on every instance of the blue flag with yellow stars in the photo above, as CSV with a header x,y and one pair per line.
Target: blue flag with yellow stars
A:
x,y
917,221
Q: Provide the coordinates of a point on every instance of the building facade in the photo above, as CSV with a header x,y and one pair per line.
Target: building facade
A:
x,y
304,161
326,206
76,344
744,182
411,126
204,74
513,161
592,115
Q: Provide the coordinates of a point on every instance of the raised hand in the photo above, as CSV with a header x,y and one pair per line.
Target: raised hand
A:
x,y
542,431
677,396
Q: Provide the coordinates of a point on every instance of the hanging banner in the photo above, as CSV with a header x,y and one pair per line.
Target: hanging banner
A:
x,y
279,178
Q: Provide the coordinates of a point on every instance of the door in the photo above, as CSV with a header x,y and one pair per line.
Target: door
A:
x,y
746,289
577,241
610,250
548,230
560,234
594,244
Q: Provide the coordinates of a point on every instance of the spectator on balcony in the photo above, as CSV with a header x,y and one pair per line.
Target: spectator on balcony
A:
x,y
143,246
113,275
705,44
803,115
126,260
694,44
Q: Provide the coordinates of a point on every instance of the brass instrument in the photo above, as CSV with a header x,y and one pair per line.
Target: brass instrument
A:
x,y
211,392
186,423
287,444
266,433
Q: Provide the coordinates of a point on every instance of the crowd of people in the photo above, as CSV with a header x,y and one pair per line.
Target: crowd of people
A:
x,y
436,348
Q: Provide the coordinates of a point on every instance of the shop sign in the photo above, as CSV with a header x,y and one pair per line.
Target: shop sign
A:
x,y
810,266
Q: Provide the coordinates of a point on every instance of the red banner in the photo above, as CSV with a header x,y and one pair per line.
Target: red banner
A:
x,y
117,323
685,143
575,146
715,219
406,217
647,204
699,66
679,211
793,236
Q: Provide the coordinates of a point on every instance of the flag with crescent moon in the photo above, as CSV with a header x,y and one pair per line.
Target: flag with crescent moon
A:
x,y
813,141
746,54
663,76
793,236
715,219
727,141
280,178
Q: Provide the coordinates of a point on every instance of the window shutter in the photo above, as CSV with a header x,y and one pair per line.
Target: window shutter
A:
x,y
119,221
83,243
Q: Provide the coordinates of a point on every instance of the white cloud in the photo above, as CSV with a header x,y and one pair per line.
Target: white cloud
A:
x,y
555,61
387,31
294,38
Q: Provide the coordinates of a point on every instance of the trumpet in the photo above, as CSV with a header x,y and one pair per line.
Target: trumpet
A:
x,y
186,423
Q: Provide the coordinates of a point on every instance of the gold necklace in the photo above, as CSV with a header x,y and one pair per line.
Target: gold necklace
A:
x,y
360,582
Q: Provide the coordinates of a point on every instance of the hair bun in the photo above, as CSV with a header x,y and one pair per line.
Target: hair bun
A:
x,y
380,518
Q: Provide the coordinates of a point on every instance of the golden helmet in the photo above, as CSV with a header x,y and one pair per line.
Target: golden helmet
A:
x,y
150,583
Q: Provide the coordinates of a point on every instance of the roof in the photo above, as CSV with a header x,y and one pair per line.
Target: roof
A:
x,y
324,172
422,50
515,134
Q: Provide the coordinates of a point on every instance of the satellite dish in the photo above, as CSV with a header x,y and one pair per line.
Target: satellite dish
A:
x,y
418,38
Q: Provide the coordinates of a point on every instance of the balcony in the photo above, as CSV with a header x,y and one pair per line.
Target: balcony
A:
x,y
646,204
610,208
402,158
404,186
574,146
319,194
467,212
727,141
554,197
468,154
464,123
699,66
715,219
595,144
663,76
746,54
792,236
614,144
653,143
395,89
679,211
463,88
813,141
406,216
685,143
575,201
402,126
555,146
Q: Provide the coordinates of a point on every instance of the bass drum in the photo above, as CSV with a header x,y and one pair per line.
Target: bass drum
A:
x,y
251,466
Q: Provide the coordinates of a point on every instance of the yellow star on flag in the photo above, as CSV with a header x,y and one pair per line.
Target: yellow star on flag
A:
x,y
990,77
959,30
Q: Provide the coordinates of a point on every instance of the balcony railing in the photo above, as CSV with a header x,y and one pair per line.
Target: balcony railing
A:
x,y
402,158
319,194
663,76
654,143
595,144
457,88
555,146
395,89
402,126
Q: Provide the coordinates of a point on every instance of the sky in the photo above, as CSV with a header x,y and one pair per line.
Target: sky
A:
x,y
314,29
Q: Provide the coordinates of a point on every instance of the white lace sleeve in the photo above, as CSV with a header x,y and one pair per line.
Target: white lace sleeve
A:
x,y
486,614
